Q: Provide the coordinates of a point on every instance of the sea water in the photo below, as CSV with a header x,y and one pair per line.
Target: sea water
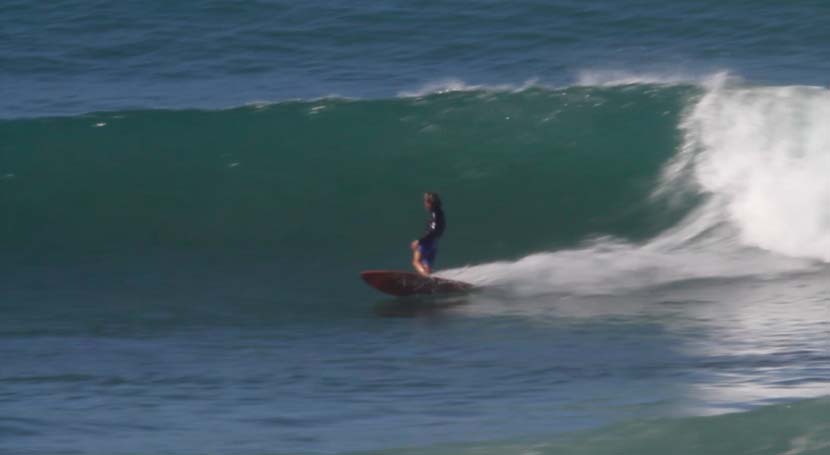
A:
x,y
638,189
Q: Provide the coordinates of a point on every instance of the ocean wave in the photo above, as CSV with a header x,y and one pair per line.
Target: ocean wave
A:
x,y
577,188
752,160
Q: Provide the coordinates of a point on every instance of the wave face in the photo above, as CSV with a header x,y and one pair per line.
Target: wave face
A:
x,y
520,172
690,181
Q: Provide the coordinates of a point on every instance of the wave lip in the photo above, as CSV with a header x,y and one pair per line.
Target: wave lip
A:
x,y
451,85
616,78
585,78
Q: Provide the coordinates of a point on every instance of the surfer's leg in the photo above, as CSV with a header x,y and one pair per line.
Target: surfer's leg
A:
x,y
418,262
426,269
428,252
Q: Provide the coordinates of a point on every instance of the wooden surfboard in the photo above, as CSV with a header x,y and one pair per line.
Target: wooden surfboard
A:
x,y
400,283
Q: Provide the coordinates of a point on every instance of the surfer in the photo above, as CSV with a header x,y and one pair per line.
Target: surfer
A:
x,y
425,248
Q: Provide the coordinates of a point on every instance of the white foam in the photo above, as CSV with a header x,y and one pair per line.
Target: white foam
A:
x,y
762,155
608,267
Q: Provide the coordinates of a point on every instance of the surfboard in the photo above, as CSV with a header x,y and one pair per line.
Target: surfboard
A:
x,y
400,283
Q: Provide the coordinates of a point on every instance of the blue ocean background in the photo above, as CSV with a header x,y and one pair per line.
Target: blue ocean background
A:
x,y
638,190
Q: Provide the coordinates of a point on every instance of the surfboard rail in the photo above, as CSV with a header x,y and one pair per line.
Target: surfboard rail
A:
x,y
403,283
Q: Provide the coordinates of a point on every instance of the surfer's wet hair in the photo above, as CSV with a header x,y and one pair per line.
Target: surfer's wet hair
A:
x,y
433,200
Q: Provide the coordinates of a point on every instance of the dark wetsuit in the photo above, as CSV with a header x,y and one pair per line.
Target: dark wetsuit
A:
x,y
428,244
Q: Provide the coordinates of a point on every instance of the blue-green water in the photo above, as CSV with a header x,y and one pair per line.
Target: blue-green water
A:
x,y
637,188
